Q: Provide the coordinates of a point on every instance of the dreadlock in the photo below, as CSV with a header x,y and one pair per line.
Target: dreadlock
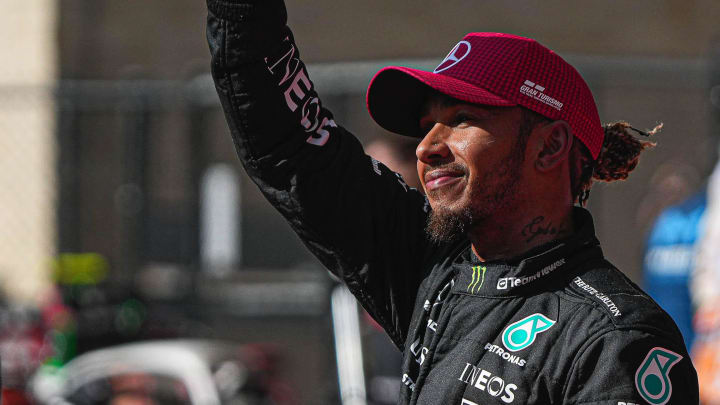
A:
x,y
618,157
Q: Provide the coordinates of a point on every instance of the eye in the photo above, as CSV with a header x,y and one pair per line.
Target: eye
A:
x,y
462,118
425,126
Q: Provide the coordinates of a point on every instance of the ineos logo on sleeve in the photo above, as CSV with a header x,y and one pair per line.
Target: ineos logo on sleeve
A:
x,y
458,53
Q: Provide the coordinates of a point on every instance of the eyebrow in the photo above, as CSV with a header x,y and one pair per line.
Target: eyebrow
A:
x,y
451,102
445,101
441,100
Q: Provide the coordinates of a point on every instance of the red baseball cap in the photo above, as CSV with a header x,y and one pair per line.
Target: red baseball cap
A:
x,y
491,69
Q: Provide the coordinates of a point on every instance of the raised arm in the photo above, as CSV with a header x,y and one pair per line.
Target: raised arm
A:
x,y
359,218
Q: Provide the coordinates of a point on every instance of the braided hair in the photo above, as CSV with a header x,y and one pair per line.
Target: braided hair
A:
x,y
618,157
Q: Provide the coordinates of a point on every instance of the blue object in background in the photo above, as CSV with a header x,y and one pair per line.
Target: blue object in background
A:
x,y
670,258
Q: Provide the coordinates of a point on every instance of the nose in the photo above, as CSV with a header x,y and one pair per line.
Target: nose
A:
x,y
432,148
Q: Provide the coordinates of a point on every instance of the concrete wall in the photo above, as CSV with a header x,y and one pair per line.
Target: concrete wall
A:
x,y
27,168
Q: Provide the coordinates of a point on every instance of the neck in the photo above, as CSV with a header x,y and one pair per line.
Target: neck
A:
x,y
510,234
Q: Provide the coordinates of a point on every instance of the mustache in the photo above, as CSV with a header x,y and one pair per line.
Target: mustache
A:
x,y
452,166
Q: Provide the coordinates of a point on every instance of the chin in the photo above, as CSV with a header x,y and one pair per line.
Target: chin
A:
x,y
450,222
450,200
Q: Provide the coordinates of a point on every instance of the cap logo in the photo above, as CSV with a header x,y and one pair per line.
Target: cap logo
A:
x,y
535,91
458,53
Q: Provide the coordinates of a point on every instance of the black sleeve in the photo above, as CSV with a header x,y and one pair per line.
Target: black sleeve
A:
x,y
632,367
359,218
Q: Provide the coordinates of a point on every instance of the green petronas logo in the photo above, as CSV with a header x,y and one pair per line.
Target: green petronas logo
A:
x,y
477,277
652,377
522,333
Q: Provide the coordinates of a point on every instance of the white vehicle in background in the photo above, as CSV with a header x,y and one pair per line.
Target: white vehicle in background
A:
x,y
198,372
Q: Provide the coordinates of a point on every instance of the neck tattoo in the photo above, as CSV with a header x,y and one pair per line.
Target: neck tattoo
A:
x,y
538,227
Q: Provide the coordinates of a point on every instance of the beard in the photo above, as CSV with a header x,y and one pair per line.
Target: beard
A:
x,y
488,197
444,225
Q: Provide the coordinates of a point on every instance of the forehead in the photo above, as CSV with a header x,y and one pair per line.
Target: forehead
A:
x,y
439,101
436,102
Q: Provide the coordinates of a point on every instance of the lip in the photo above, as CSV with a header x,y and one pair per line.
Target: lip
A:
x,y
439,178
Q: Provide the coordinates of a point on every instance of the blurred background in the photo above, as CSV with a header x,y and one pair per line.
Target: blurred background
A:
x,y
126,217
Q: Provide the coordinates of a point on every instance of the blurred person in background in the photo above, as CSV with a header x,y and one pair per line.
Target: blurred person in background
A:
x,y
398,155
670,277
495,286
681,273
705,286
670,258
680,270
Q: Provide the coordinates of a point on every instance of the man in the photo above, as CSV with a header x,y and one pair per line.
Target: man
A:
x,y
495,286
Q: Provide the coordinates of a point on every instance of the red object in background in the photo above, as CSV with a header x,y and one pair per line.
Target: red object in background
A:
x,y
29,337
12,396
23,348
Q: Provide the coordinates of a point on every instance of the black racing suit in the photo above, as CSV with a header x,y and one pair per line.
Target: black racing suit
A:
x,y
558,325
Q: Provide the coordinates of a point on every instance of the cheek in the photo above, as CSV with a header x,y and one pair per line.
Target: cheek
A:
x,y
485,160
471,142
475,155
464,141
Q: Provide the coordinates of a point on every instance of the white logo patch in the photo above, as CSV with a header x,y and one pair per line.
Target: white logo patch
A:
x,y
601,296
535,91
458,53
491,384
298,88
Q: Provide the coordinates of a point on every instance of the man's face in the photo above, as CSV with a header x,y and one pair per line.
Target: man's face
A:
x,y
469,162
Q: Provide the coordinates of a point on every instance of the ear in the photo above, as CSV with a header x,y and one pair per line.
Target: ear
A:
x,y
557,140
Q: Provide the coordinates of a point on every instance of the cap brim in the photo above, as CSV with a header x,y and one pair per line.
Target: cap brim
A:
x,y
396,95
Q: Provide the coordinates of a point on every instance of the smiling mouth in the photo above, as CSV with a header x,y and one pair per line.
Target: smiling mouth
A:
x,y
441,177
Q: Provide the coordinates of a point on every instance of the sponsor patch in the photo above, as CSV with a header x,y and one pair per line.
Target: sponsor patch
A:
x,y
300,95
601,296
408,382
375,166
652,378
536,91
507,356
419,352
507,283
485,381
521,334
478,276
